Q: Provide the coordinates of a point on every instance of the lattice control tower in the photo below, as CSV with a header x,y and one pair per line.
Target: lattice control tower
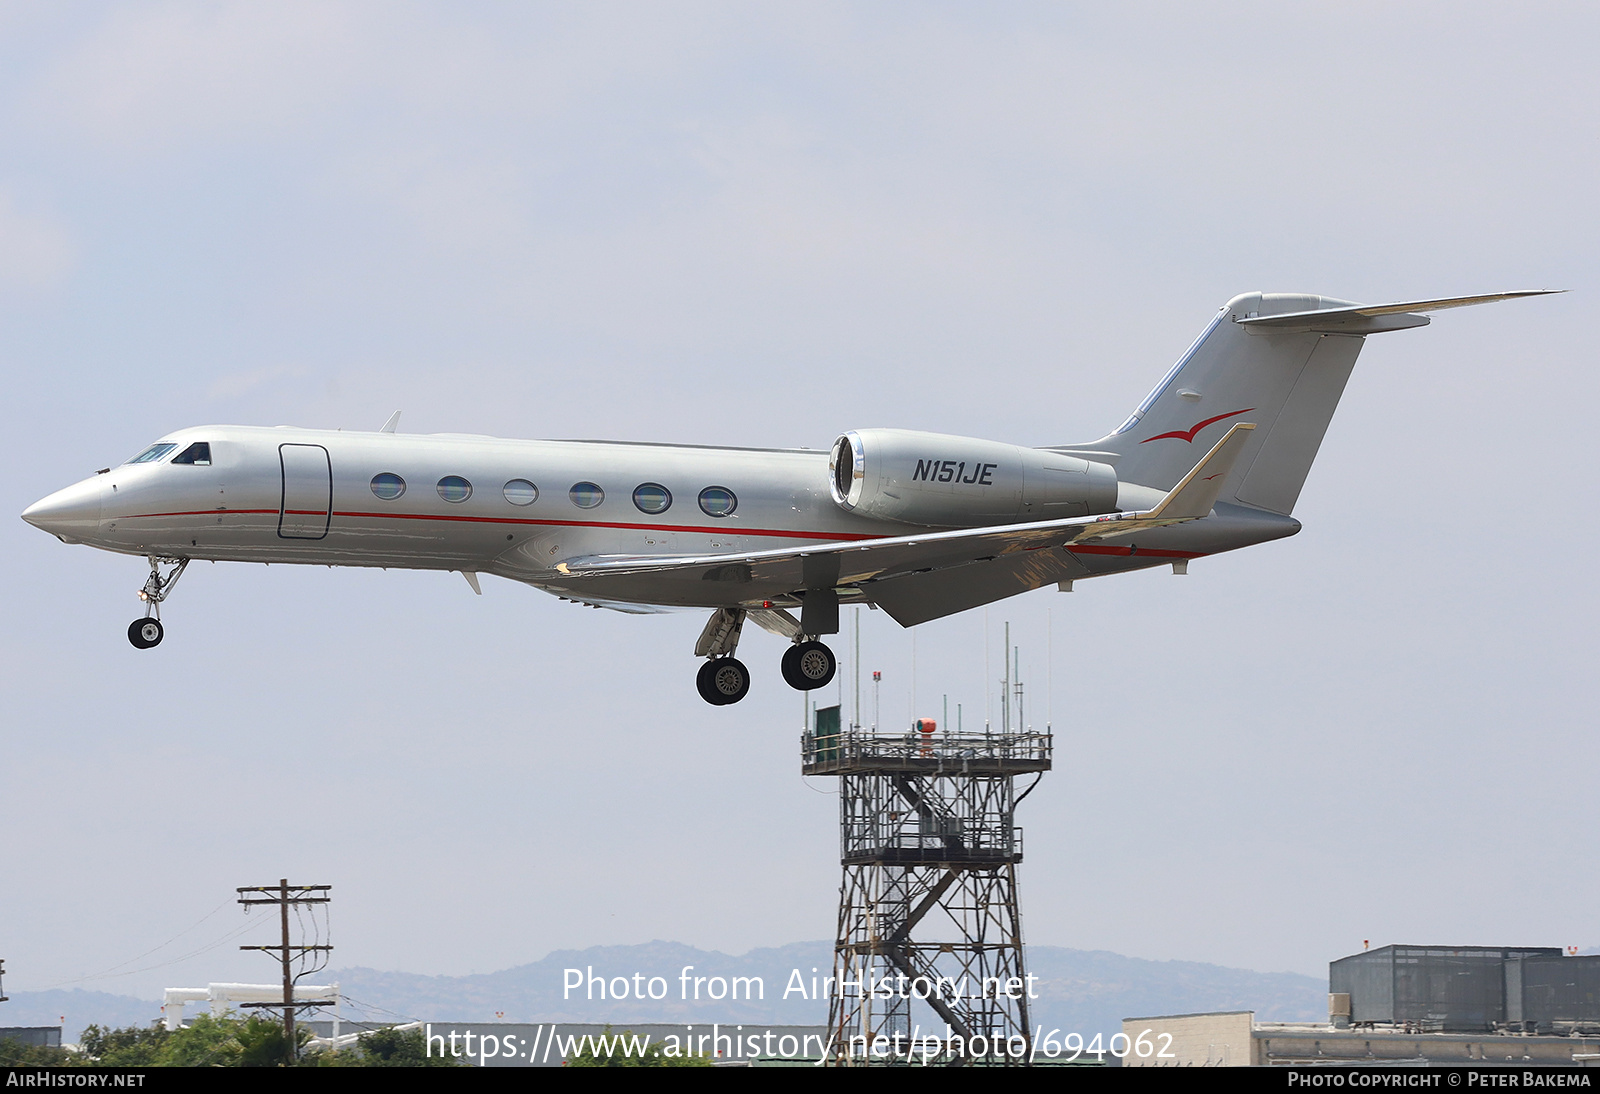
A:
x,y
929,943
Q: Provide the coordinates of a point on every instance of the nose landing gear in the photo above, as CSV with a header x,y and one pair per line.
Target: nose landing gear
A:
x,y
147,632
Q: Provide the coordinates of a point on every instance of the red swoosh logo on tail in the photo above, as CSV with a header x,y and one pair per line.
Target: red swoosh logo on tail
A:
x,y
1190,435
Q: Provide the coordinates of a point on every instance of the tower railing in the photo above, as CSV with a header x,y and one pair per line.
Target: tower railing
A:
x,y
853,749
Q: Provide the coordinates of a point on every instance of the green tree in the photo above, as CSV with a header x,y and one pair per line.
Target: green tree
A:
x,y
388,1048
226,1041
205,1042
131,1046
19,1054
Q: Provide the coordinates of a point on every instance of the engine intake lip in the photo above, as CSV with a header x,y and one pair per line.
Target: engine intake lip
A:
x,y
847,469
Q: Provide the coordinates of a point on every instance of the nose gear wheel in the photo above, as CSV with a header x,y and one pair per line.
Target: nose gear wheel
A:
x,y
144,633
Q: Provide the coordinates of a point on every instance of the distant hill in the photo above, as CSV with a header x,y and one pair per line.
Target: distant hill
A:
x,y
1086,991
79,1008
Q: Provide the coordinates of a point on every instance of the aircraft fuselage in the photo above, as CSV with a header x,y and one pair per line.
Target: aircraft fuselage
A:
x,y
515,508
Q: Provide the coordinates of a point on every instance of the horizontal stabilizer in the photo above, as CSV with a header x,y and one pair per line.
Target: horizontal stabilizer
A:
x,y
1375,318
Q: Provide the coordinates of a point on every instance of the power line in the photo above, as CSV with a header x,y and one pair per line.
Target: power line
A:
x,y
111,973
108,973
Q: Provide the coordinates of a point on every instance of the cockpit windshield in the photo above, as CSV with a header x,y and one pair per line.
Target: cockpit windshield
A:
x,y
197,453
153,453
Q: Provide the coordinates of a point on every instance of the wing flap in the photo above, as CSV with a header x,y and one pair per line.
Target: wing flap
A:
x,y
917,598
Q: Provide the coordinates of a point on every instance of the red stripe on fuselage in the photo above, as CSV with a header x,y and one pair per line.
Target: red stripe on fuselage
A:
x,y
1153,552
725,530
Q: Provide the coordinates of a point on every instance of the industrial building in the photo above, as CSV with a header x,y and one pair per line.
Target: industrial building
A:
x,y
1236,1039
1467,989
1406,1005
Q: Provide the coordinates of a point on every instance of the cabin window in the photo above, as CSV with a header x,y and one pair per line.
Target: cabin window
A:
x,y
198,454
586,495
153,453
388,486
454,488
652,497
521,492
718,501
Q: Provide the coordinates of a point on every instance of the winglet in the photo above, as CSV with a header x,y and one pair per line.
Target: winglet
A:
x,y
1191,499
1194,496
394,420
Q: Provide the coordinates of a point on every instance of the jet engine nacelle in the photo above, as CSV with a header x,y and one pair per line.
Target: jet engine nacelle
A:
x,y
937,480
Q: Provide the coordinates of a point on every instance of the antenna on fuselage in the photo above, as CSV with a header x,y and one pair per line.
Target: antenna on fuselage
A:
x,y
389,426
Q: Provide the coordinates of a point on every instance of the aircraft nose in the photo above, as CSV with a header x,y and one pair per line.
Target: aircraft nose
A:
x,y
71,514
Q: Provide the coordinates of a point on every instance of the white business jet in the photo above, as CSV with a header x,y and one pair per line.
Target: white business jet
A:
x,y
921,525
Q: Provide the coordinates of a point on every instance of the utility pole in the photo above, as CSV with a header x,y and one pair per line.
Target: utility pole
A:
x,y
284,895
2,980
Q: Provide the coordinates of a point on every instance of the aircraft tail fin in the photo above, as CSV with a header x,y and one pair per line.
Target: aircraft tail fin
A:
x,y
1279,360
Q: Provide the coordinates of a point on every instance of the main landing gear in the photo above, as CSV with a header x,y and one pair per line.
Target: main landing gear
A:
x,y
808,665
147,632
724,679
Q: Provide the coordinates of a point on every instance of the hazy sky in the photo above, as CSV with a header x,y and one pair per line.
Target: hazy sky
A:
x,y
768,224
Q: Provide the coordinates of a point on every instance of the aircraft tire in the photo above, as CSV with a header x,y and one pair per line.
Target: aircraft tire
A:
x,y
808,666
145,633
702,683
723,681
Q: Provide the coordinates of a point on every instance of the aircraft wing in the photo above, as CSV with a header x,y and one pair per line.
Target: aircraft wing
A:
x,y
899,572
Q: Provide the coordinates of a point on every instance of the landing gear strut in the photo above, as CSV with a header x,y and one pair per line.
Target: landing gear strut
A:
x,y
723,679
147,632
